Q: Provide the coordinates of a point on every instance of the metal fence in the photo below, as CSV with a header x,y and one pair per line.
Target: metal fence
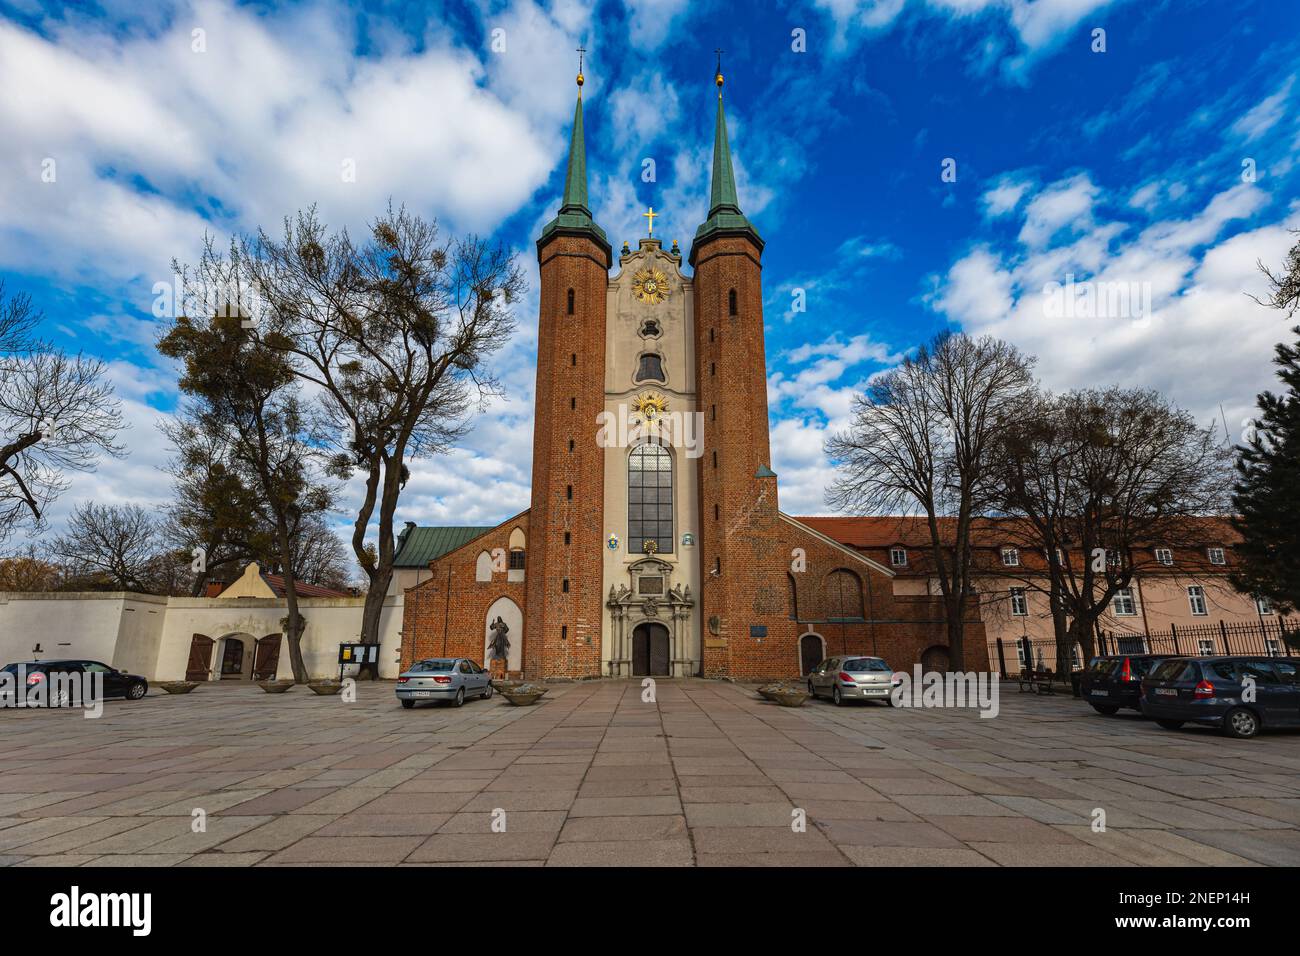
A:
x,y
1280,638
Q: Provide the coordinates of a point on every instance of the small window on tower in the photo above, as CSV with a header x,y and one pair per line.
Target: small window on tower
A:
x,y
650,329
731,302
570,302
651,368
573,359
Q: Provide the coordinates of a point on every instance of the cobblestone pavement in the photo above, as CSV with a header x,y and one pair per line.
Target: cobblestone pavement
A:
x,y
707,775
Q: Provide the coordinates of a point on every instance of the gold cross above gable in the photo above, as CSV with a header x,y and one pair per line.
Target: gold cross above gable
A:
x,y
652,216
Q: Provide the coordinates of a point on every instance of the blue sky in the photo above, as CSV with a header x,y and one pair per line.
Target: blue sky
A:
x,y
1168,160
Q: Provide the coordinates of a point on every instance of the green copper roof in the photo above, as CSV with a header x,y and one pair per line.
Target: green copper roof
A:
x,y
725,217
575,179
419,546
724,177
575,217
764,472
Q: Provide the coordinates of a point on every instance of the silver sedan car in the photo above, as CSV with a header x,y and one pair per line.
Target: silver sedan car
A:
x,y
853,677
445,678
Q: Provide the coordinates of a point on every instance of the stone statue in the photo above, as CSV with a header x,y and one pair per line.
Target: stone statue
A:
x,y
499,645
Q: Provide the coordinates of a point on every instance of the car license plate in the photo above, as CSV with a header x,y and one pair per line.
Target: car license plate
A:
x,y
421,693
1167,691
1101,693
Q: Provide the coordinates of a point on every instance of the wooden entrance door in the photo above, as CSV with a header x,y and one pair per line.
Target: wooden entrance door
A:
x,y
200,658
266,657
810,652
650,651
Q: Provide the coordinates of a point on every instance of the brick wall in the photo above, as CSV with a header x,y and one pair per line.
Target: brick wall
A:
x,y
563,626
446,616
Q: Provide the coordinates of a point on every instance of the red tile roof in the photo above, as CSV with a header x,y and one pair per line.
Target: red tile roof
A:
x,y
276,583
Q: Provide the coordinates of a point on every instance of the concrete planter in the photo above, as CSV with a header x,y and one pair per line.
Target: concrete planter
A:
x,y
777,688
178,686
791,698
275,686
523,695
325,688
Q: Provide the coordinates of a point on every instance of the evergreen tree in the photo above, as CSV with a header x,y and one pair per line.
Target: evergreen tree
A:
x,y
1266,495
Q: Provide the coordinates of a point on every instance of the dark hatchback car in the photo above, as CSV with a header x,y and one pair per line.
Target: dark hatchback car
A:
x,y
116,683
1115,680
1217,691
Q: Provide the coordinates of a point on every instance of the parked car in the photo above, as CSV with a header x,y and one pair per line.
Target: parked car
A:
x,y
117,683
1211,690
1113,681
444,678
852,677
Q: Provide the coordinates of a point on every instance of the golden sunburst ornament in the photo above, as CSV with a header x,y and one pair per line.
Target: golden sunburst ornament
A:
x,y
651,405
650,286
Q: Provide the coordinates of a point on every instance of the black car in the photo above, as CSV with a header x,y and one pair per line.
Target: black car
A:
x,y
1214,691
1115,680
116,683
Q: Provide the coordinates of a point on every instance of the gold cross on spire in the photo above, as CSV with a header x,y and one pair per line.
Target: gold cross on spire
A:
x,y
652,216
582,49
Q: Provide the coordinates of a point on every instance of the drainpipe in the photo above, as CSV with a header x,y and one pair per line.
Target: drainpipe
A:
x,y
446,613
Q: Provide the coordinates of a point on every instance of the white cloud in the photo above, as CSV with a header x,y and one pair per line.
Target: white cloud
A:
x,y
1064,205
652,21
1264,115
1006,195
1203,342
1040,26
265,122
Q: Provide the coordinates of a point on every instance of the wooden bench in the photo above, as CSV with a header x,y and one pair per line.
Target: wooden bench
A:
x,y
1036,681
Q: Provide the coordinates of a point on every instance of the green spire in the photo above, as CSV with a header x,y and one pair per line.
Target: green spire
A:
x,y
575,180
725,217
574,218
724,178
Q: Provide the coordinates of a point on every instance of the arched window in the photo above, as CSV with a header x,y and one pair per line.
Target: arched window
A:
x,y
650,499
651,368
731,302
570,302
844,596
794,597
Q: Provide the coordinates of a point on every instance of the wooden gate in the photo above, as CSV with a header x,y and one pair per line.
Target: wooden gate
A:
x,y
266,657
200,658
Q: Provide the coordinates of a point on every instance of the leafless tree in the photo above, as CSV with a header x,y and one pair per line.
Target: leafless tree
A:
x,y
108,546
920,443
57,414
1090,478
393,336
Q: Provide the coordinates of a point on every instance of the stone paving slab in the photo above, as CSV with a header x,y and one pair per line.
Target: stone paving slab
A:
x,y
709,775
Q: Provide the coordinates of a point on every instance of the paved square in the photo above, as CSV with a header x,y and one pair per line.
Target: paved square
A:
x,y
708,775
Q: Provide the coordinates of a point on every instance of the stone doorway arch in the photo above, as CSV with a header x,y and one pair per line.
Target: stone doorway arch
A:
x,y
812,651
935,659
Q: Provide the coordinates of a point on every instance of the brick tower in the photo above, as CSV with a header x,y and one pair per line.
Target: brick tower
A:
x,y
743,569
565,527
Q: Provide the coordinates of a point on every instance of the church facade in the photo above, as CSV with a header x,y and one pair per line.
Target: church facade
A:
x,y
654,544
